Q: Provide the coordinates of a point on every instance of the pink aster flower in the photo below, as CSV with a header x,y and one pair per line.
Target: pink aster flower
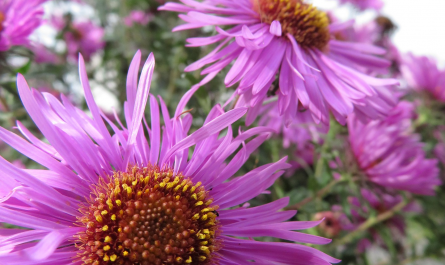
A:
x,y
144,194
18,19
365,4
294,41
138,17
422,74
80,37
84,37
391,155
299,135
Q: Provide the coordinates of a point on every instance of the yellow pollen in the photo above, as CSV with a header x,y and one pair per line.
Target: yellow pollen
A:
x,y
110,204
308,25
123,216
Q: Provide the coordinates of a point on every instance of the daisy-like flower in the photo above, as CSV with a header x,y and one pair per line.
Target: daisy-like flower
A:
x,y
364,4
293,40
391,155
83,37
124,198
18,19
422,74
300,135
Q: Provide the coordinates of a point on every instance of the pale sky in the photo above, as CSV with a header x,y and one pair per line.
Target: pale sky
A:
x,y
421,24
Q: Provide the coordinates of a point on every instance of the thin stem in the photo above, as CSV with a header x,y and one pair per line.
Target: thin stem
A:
x,y
319,195
372,222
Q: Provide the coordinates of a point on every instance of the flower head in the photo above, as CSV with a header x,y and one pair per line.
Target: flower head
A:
x,y
391,155
365,4
18,19
124,198
84,37
422,74
137,16
294,41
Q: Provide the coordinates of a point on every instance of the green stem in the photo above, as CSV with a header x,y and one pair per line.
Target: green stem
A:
x,y
372,221
319,195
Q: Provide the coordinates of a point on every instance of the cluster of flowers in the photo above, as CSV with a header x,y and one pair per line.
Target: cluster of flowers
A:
x,y
110,194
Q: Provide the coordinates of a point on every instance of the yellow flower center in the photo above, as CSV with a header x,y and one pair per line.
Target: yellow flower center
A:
x,y
2,19
148,216
307,24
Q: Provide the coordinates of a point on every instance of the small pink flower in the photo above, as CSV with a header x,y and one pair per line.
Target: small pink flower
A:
x,y
299,135
137,17
84,37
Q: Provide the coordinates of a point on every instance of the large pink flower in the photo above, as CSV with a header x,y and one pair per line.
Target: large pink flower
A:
x,y
143,194
294,41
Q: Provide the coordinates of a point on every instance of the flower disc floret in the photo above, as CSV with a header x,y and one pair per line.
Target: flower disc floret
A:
x,y
148,216
305,22
2,19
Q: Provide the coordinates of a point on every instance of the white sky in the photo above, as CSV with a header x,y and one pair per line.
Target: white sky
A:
x,y
421,24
